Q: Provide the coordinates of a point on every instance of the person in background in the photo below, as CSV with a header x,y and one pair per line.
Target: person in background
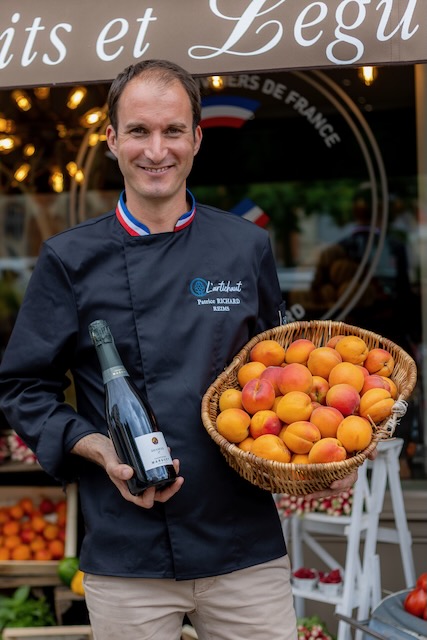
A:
x,y
210,546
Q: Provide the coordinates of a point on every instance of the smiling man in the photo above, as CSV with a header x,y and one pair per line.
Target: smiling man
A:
x,y
210,547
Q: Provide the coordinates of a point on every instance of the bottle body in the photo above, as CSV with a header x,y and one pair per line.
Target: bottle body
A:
x,y
131,422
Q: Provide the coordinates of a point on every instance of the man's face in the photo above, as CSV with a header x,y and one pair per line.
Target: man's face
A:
x,y
154,142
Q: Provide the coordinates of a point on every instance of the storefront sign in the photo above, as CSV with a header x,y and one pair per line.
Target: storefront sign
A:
x,y
51,42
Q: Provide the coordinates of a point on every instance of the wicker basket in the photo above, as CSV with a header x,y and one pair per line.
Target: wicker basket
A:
x,y
303,479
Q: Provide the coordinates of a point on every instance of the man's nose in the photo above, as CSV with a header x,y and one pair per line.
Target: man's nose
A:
x,y
156,148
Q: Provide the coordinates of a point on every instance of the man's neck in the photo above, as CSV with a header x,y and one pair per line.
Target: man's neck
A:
x,y
160,216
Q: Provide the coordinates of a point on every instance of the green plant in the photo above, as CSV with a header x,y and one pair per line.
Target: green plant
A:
x,y
22,610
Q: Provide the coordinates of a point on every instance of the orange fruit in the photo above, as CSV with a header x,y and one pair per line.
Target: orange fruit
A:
x,y
4,553
12,541
230,399
21,552
56,548
11,528
249,371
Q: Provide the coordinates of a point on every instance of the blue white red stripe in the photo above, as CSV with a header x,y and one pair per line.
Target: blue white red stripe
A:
x,y
227,111
136,228
250,211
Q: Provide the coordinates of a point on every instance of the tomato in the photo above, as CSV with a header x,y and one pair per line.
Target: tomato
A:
x,y
422,581
416,602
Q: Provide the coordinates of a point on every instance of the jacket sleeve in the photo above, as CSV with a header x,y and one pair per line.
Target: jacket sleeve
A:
x,y
271,305
34,367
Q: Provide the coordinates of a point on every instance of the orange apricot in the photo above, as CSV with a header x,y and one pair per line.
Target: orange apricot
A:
x,y
269,352
233,424
249,371
271,447
355,433
352,349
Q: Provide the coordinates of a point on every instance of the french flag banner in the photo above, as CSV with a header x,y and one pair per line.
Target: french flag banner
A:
x,y
227,111
251,211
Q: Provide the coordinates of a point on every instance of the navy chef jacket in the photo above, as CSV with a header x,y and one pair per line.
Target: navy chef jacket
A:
x,y
180,305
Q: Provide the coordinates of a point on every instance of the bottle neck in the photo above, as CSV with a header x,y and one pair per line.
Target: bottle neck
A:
x,y
111,364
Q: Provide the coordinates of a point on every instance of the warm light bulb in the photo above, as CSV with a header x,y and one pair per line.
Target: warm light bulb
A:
x,y
368,75
7,143
76,97
22,100
79,176
42,93
57,180
92,117
216,82
29,150
22,172
72,168
93,139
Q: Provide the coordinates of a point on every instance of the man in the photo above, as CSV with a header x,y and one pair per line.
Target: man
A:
x,y
210,547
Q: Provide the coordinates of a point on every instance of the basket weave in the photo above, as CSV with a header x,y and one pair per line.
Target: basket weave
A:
x,y
303,479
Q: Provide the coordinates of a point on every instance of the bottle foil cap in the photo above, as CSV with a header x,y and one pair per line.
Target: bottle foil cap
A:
x,y
99,332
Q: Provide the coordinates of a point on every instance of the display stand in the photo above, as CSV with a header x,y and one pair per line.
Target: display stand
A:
x,y
361,588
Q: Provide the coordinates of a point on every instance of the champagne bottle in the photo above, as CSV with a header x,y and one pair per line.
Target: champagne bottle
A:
x,y
131,422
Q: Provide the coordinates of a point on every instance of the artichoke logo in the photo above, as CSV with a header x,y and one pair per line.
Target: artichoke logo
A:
x,y
198,287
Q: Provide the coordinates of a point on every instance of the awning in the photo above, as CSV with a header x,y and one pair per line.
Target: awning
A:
x,y
59,42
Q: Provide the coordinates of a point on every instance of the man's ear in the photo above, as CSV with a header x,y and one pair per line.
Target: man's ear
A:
x,y
111,139
198,135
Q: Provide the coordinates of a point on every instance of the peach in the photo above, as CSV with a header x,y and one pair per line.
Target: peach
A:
x,y
295,377
249,371
392,385
271,447
299,458
295,405
333,341
348,373
322,360
299,350
246,444
265,421
327,420
233,424
354,433
257,395
300,436
327,450
374,381
269,352
319,389
379,361
376,404
352,349
273,374
230,399
343,397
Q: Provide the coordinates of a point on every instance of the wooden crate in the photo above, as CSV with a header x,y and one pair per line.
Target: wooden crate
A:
x,y
29,571
76,632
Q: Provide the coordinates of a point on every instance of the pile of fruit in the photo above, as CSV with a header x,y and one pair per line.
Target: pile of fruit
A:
x,y
308,404
32,530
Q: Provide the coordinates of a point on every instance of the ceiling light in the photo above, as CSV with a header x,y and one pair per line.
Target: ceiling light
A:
x,y
22,99
92,117
42,93
57,180
22,172
368,75
72,168
29,150
7,143
216,82
75,97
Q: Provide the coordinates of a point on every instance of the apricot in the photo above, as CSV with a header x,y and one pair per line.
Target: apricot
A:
x,y
249,371
275,403
257,395
57,549
295,405
299,458
333,341
233,424
299,350
230,399
327,420
21,552
376,404
295,377
300,436
343,397
271,447
269,352
349,373
319,390
246,444
272,374
327,450
374,381
379,361
392,386
322,360
263,422
352,349
354,433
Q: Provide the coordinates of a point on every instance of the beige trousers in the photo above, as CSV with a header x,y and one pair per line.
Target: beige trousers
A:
x,y
250,604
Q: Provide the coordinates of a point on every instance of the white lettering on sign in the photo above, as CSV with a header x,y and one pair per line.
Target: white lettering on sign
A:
x,y
29,52
404,23
104,38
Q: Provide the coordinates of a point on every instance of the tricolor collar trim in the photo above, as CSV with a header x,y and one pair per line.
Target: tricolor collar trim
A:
x,y
136,228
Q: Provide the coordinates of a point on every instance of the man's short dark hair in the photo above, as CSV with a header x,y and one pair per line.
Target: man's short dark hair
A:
x,y
161,70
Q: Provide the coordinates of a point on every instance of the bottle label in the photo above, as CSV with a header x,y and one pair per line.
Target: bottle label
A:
x,y
113,372
153,450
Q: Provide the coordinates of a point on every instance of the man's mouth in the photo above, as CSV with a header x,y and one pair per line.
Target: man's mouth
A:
x,y
154,170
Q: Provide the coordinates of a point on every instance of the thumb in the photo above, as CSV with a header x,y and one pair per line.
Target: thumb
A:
x,y
125,472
